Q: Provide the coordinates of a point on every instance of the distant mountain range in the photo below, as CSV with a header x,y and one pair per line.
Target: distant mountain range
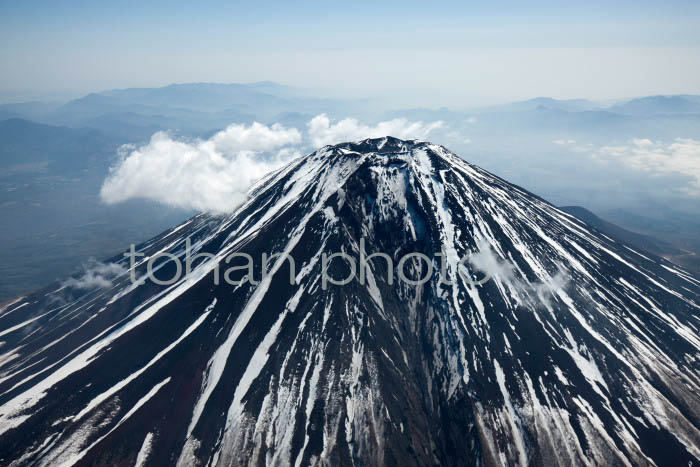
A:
x,y
54,156
196,108
569,105
641,106
135,113
659,105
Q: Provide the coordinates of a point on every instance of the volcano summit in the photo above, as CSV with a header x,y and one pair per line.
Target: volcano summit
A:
x,y
537,340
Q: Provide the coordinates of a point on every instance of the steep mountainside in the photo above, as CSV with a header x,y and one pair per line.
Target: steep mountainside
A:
x,y
642,242
536,340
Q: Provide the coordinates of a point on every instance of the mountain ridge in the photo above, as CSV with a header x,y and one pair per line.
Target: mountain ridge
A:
x,y
643,242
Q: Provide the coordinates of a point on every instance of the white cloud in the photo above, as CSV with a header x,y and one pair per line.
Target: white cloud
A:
x,y
486,261
493,267
679,157
323,132
256,137
208,175
96,275
214,174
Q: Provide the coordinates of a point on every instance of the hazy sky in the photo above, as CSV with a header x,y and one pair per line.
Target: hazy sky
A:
x,y
417,53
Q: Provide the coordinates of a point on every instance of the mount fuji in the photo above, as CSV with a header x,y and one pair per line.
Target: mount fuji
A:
x,y
537,340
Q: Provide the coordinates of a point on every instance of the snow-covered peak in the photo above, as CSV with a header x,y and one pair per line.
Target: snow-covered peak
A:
x,y
536,340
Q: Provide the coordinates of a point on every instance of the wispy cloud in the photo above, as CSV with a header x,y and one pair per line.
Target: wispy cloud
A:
x,y
214,174
96,275
494,267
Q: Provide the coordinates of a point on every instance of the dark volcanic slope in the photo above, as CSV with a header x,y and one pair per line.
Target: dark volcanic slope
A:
x,y
578,351
640,241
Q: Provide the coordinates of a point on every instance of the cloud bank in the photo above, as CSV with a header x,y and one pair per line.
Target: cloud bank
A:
x,y
204,175
673,166
681,157
214,174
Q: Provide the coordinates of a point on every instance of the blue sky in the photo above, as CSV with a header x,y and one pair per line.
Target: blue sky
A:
x,y
458,53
